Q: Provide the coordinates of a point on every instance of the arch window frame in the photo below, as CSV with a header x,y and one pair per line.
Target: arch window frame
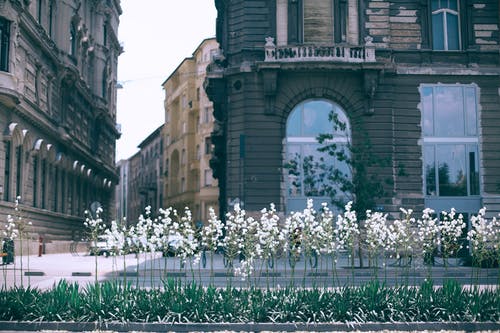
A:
x,y
303,176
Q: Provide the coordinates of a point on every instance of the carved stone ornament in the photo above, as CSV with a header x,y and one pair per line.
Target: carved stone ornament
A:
x,y
270,42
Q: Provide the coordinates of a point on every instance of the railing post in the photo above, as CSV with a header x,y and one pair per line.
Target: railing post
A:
x,y
270,49
369,49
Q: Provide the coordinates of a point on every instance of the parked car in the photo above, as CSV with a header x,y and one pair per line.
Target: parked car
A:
x,y
173,245
100,247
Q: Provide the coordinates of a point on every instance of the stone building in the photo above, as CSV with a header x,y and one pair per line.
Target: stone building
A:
x,y
187,133
58,62
419,78
135,205
121,190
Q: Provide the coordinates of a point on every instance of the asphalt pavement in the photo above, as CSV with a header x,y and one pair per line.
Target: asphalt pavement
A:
x,y
150,270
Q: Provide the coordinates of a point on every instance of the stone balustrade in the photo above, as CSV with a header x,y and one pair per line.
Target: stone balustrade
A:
x,y
334,53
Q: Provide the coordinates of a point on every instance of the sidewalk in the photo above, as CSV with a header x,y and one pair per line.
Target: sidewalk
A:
x,y
43,272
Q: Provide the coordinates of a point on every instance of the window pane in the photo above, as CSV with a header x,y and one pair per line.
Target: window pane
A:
x,y
315,118
452,170
449,115
471,111
343,129
434,5
452,4
452,27
293,122
311,170
437,32
473,171
430,170
293,170
427,121
318,21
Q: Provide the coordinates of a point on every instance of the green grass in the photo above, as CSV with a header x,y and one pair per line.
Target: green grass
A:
x,y
180,303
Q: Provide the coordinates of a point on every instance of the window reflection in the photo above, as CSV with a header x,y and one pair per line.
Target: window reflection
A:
x,y
445,25
450,152
308,172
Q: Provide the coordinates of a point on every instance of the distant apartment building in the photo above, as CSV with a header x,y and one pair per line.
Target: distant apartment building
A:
x,y
134,204
187,135
142,176
58,65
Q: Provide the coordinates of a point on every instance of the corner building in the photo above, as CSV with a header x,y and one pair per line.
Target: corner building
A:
x,y
419,78
58,62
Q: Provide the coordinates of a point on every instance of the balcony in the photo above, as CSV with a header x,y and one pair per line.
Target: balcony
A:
x,y
9,94
318,53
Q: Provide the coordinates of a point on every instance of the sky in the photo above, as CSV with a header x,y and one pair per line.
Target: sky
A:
x,y
156,36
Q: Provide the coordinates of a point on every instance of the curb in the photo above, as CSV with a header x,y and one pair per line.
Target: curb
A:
x,y
249,327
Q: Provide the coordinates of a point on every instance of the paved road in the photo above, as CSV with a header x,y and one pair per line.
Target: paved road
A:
x,y
146,270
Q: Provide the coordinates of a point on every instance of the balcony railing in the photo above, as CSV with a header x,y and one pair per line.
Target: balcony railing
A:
x,y
334,53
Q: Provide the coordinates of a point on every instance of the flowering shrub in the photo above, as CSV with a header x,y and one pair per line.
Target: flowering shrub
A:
x,y
484,238
249,243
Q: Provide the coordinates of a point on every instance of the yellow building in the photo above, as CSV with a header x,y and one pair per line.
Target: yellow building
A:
x,y
188,127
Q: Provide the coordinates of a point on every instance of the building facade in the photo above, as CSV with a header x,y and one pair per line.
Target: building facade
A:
x,y
142,176
420,79
188,144
121,190
135,205
58,111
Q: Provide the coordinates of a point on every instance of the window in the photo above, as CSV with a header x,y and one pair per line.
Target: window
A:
x,y
183,156
72,40
208,177
55,187
6,186
104,83
35,181
4,44
306,169
208,145
317,21
445,24
51,18
63,191
183,184
105,34
206,115
39,11
43,189
450,140
198,152
19,170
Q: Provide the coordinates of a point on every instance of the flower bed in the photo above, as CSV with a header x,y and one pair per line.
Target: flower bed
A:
x,y
188,303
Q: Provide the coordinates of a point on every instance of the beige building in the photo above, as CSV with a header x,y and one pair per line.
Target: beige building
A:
x,y
187,136
58,64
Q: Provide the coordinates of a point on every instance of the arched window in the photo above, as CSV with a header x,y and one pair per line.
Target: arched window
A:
x,y
72,40
7,171
35,180
307,171
19,170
